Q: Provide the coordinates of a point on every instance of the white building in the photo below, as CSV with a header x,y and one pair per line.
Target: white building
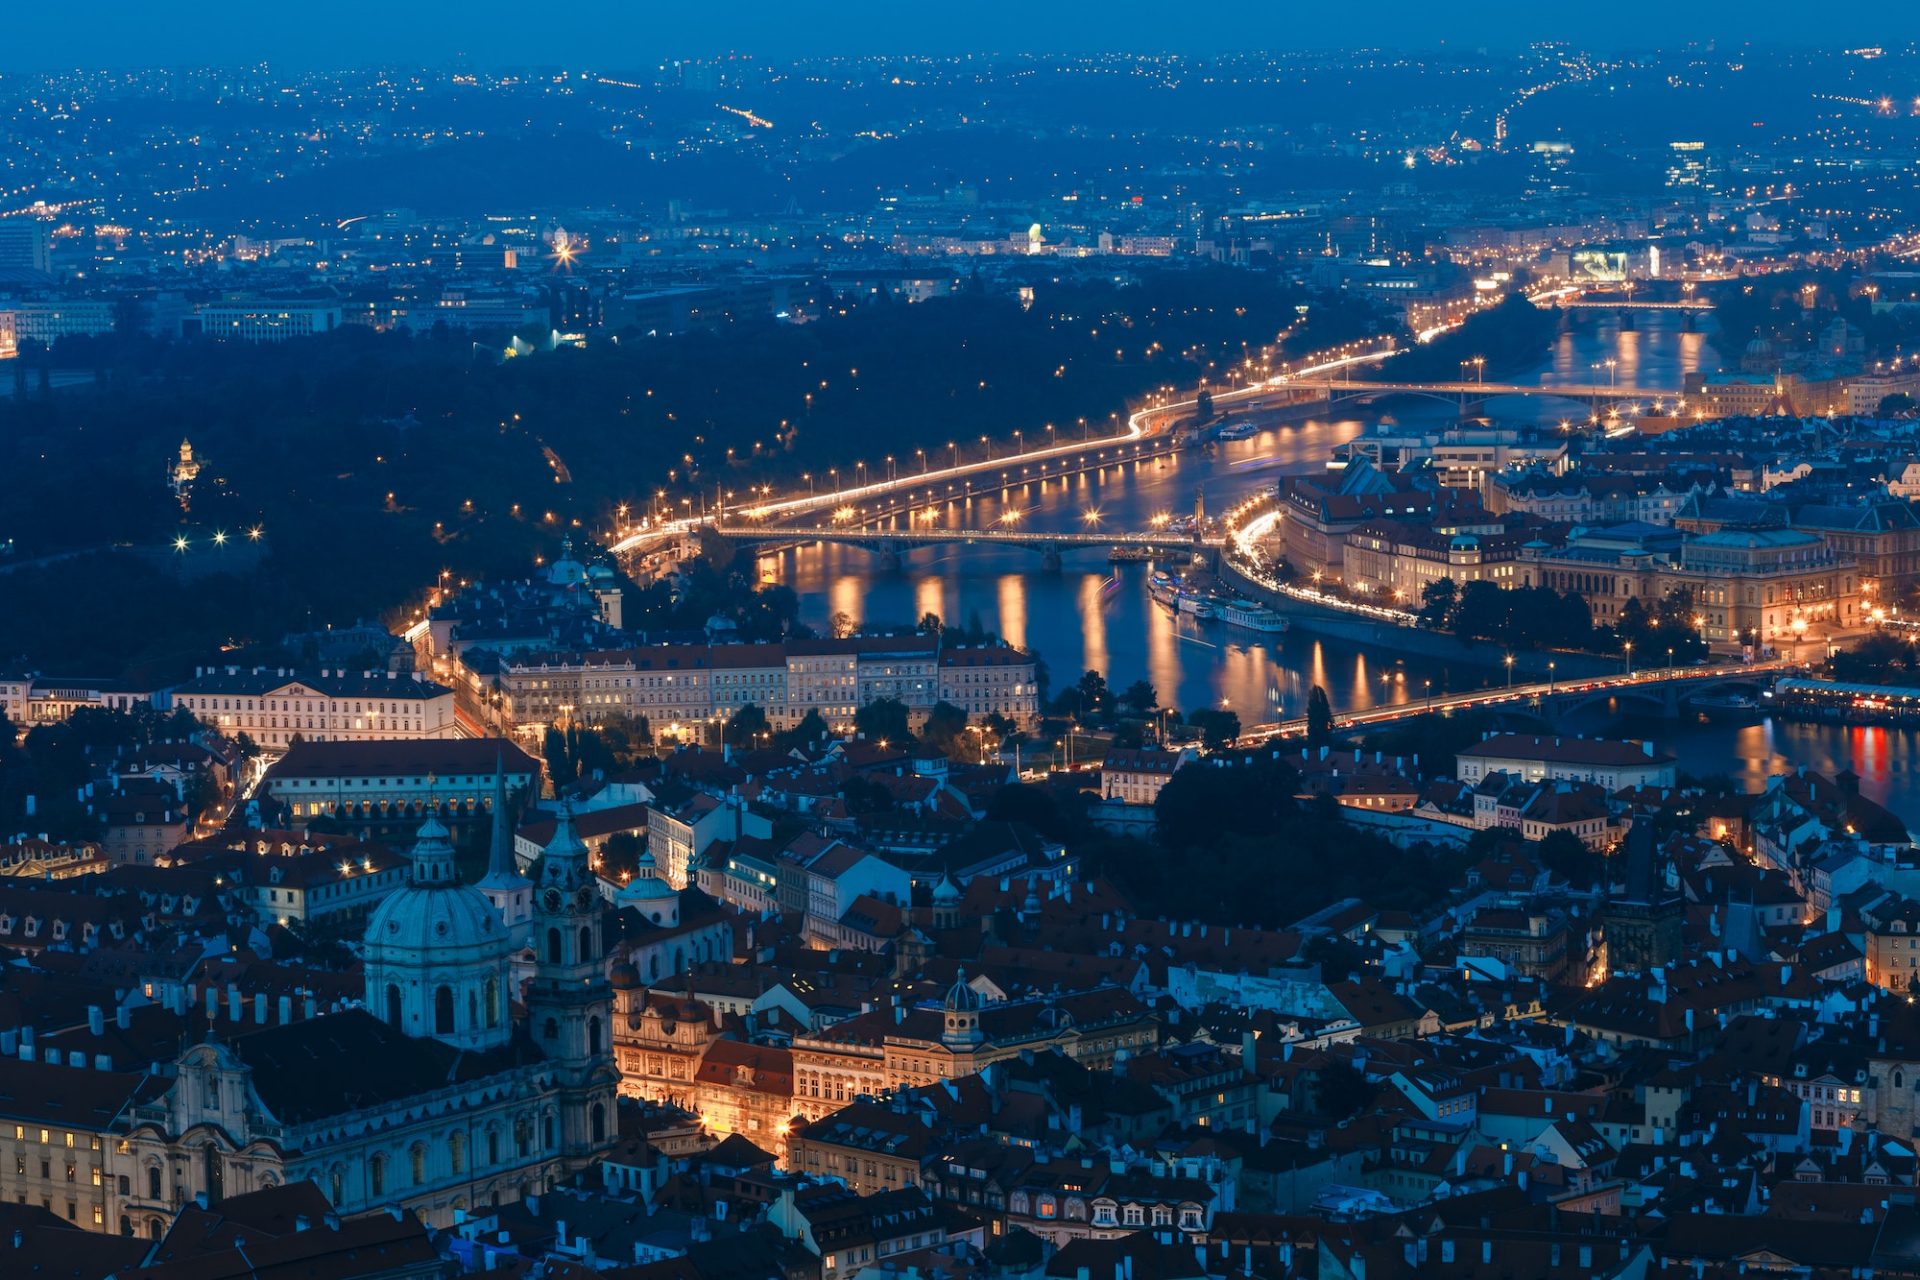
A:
x,y
1135,775
267,321
1610,764
358,780
276,706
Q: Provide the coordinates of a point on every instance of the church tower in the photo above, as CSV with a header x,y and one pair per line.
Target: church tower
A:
x,y
510,892
570,1002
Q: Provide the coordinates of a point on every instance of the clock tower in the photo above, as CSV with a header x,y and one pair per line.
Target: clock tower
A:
x,y
570,1001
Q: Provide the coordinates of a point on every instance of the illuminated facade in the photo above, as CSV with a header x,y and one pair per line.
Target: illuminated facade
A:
x,y
432,1101
923,1045
688,691
267,322
1765,586
276,706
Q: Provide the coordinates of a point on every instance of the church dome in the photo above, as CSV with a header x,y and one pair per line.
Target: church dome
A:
x,y
962,998
436,952
567,571
624,976
946,893
650,895
646,882
427,920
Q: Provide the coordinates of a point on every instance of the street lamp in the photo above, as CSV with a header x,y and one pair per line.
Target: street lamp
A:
x,y
1629,657
1550,666
1509,672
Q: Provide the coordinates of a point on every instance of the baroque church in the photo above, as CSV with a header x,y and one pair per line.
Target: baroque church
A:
x,y
432,1097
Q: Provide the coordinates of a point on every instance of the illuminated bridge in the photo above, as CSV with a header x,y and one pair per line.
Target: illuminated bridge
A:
x,y
1604,303
1469,391
893,543
1664,690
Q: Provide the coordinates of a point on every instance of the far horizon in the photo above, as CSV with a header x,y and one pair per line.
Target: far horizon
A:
x,y
489,34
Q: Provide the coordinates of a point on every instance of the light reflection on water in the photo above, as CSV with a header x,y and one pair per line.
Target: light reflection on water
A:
x,y
1074,625
1887,760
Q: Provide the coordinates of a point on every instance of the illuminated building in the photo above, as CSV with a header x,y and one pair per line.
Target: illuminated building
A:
x,y
686,691
923,1044
264,321
433,1101
397,780
1770,586
25,246
275,706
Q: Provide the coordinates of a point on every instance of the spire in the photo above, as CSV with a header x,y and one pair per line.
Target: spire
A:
x,y
500,864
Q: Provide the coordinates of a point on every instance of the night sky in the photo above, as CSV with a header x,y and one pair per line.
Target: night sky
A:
x,y
332,33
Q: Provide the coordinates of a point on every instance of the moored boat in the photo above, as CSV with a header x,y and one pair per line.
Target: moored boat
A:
x,y
1253,616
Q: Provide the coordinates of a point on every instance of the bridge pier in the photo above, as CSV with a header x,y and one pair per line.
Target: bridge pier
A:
x,y
1050,559
891,559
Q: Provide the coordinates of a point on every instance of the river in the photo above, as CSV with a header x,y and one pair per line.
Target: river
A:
x,y
1075,624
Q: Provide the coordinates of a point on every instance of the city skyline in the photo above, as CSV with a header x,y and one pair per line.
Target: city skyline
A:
x,y
490,33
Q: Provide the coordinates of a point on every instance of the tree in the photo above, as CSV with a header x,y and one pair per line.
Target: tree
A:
x,y
1319,718
200,795
930,624
842,625
1038,807
1436,604
1141,697
559,760
1880,658
945,726
621,854
746,726
1563,853
1203,406
863,795
812,728
1202,804
884,720
1897,405
1343,1091
1481,611
1088,699
1218,728
1669,624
